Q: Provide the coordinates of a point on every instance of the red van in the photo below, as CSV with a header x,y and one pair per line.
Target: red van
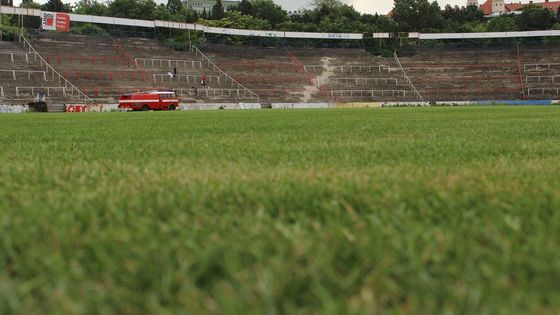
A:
x,y
153,100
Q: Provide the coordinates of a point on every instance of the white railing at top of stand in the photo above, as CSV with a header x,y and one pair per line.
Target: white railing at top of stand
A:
x,y
1,91
15,54
207,60
540,66
50,68
407,78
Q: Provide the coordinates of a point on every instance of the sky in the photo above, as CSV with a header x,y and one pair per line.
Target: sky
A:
x,y
364,6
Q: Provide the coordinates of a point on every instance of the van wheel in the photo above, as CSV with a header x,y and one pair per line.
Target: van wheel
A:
x,y
145,108
172,107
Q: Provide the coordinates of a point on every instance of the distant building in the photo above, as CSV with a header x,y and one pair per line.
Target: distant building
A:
x,y
496,7
200,5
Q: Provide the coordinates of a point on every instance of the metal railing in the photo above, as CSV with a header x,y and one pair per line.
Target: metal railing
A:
x,y
407,78
543,91
356,68
368,93
169,62
358,81
212,65
539,78
237,93
32,90
186,78
55,74
12,59
29,72
540,66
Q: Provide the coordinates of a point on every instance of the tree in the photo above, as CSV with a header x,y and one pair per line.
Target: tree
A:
x,y
381,22
191,15
7,2
55,6
474,14
245,7
534,18
218,10
133,9
417,15
174,6
503,23
162,13
29,4
90,7
268,10
236,19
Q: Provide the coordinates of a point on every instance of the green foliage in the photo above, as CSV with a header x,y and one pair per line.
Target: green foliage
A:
x,y
9,32
535,18
55,6
174,6
284,212
218,10
462,15
245,7
88,29
91,7
29,4
162,13
235,19
7,2
417,16
503,23
191,15
268,10
133,9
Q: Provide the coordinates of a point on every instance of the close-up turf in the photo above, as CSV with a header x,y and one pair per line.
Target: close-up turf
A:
x,y
364,211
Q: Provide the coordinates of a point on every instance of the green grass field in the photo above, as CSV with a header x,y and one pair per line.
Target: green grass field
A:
x,y
392,211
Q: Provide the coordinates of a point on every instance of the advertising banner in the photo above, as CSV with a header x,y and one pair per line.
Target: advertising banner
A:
x,y
54,21
62,22
48,20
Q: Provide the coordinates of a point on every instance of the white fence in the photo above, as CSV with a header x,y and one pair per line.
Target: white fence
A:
x,y
185,78
540,66
169,63
43,74
358,81
543,91
32,90
12,59
369,93
236,93
352,68
541,78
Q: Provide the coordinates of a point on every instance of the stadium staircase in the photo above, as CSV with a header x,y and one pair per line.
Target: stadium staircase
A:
x,y
24,75
541,72
105,67
463,75
313,75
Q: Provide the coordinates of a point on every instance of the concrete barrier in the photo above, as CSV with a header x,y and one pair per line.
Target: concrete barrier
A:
x,y
301,105
210,106
358,105
18,109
